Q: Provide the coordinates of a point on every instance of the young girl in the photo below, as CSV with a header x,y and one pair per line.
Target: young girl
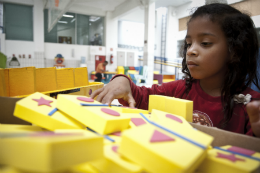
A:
x,y
219,61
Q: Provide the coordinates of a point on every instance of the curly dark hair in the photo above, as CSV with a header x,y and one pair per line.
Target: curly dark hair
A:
x,y
243,46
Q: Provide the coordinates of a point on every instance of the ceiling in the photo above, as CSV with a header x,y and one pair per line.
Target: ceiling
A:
x,y
105,5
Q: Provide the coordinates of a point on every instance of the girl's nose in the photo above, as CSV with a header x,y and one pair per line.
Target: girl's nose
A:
x,y
192,51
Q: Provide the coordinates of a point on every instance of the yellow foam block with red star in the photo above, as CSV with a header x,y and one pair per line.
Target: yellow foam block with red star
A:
x,y
37,109
157,150
48,151
218,161
157,102
17,128
180,107
166,118
102,119
113,163
242,151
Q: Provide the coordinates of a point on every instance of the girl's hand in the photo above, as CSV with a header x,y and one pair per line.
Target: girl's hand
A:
x,y
253,111
118,88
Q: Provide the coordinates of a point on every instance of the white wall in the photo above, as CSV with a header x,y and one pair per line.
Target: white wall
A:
x,y
19,48
131,33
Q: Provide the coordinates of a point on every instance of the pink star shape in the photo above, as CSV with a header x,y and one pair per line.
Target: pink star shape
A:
x,y
42,101
231,157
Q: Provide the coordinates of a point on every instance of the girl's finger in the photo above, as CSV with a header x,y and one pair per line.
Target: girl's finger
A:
x,y
108,99
131,101
95,93
101,95
253,111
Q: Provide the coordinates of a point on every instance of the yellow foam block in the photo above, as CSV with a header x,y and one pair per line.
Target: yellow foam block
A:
x,y
120,70
47,152
124,109
16,128
166,118
65,78
92,87
81,76
136,119
3,91
113,163
46,79
157,150
6,71
92,116
180,107
22,81
218,161
157,102
29,110
83,168
242,151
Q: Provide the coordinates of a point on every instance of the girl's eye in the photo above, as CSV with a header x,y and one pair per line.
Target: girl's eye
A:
x,y
188,45
206,43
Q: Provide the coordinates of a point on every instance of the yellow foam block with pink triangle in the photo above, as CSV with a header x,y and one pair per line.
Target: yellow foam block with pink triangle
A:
x,y
113,163
17,128
166,118
157,150
49,152
180,107
218,161
102,119
136,119
157,102
37,109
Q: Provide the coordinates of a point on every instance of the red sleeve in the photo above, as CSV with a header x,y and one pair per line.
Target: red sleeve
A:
x,y
141,94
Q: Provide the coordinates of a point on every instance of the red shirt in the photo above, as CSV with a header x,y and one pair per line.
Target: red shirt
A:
x,y
207,110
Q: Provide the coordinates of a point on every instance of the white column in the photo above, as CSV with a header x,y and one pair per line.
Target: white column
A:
x,y
111,40
38,26
171,33
148,57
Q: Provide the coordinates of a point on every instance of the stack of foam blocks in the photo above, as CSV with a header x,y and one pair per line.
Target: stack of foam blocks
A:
x,y
76,134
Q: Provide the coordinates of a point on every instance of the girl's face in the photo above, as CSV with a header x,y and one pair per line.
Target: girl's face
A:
x,y
207,52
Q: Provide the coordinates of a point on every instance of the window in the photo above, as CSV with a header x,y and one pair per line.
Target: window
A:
x,y
75,29
18,22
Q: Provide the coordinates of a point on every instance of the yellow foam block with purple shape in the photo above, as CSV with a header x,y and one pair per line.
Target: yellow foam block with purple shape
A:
x,y
158,149
40,110
100,118
166,118
230,159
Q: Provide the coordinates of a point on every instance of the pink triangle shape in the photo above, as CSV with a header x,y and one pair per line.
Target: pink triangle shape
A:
x,y
160,137
138,121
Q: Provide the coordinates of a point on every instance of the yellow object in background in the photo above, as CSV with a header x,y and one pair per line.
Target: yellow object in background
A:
x,y
81,76
3,91
92,116
31,110
46,79
17,128
170,119
218,161
49,152
113,163
65,78
180,107
157,150
22,81
120,70
157,102
6,71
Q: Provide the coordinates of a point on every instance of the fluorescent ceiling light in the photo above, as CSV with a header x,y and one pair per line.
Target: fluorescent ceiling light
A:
x,y
72,20
66,15
93,18
62,22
